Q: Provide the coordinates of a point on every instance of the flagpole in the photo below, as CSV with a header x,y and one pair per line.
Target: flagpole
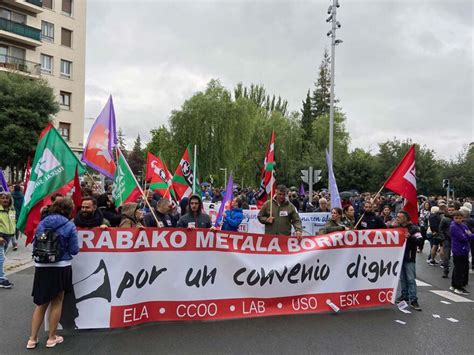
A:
x,y
363,214
194,169
93,182
139,187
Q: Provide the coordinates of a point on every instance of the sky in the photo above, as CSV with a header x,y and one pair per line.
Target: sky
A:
x,y
404,69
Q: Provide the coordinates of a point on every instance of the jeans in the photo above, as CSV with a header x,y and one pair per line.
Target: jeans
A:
x,y
407,279
2,260
447,255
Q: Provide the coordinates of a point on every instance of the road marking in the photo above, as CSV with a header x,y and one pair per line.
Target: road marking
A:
x,y
451,296
436,316
445,302
452,320
421,283
406,311
400,322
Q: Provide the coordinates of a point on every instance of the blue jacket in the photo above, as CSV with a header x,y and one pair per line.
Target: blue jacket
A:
x,y
67,233
233,219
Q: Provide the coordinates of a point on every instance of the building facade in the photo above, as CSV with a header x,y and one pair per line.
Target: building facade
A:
x,y
46,38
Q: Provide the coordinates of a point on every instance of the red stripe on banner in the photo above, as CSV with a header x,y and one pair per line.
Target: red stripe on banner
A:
x,y
120,240
133,314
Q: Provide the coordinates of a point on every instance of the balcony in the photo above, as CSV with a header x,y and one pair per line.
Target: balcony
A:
x,y
19,65
19,32
32,6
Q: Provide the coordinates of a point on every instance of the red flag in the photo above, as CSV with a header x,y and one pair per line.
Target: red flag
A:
x,y
403,182
27,173
160,176
77,194
268,184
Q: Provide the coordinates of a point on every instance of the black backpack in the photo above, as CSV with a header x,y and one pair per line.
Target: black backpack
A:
x,y
47,246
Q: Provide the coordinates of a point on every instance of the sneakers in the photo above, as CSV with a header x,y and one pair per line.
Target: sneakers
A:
x,y
451,288
433,262
6,284
445,275
415,306
461,291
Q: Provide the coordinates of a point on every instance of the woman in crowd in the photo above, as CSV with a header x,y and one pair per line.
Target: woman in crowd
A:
x,y
335,223
234,216
349,217
387,216
106,206
132,216
53,280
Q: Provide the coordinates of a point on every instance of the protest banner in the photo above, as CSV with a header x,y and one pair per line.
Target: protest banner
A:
x,y
124,277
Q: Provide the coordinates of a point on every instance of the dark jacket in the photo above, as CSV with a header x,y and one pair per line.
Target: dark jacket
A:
x,y
433,222
18,199
166,219
414,240
444,225
371,221
111,215
200,220
233,219
460,239
95,220
67,232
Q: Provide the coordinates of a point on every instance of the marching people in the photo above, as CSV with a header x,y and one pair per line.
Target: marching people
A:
x,y
283,215
408,271
89,216
445,235
335,223
132,216
369,219
387,217
53,280
18,199
7,232
323,205
349,219
107,207
460,245
234,216
435,240
195,218
163,214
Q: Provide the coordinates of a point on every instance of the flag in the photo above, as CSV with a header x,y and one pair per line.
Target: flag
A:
x,y
52,171
184,176
403,182
160,176
229,195
267,186
3,182
335,198
27,173
77,194
98,151
302,192
126,188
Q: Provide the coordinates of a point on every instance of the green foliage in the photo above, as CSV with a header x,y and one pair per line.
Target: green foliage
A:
x,y
460,172
26,107
121,141
136,158
322,92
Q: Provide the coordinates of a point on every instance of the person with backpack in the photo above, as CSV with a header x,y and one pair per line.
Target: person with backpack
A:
x,y
54,244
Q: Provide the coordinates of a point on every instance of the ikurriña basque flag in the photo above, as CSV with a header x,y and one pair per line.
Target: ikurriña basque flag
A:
x,y
98,151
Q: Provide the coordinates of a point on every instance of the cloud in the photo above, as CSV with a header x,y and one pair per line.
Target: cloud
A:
x,y
404,69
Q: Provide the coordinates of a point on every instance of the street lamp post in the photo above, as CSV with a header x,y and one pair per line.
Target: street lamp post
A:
x,y
334,42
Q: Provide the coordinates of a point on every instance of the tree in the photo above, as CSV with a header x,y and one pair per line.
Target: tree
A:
x,y
321,98
136,158
122,144
26,107
307,118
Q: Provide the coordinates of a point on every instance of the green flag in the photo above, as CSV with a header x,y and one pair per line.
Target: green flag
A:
x,y
126,187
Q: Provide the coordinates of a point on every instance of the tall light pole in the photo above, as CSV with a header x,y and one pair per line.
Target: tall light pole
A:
x,y
334,42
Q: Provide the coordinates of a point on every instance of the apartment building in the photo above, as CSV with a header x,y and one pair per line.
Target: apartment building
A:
x,y
46,38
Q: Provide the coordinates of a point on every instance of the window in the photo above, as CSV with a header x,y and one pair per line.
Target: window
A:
x,y
48,4
67,7
46,64
66,37
18,53
66,69
65,100
3,54
47,31
64,130
13,16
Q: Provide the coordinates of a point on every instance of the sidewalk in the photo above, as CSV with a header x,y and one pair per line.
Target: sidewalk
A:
x,y
19,259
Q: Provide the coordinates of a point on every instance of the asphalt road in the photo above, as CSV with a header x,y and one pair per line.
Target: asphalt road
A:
x,y
351,332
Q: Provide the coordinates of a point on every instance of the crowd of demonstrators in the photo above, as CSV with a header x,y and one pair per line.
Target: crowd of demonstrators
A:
x,y
162,216
106,206
7,233
132,215
233,216
89,215
195,217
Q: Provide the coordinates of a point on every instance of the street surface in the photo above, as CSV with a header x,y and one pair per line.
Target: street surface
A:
x,y
445,326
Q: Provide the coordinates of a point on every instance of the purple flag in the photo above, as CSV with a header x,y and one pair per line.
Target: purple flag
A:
x,y
335,198
98,151
3,182
302,193
227,197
